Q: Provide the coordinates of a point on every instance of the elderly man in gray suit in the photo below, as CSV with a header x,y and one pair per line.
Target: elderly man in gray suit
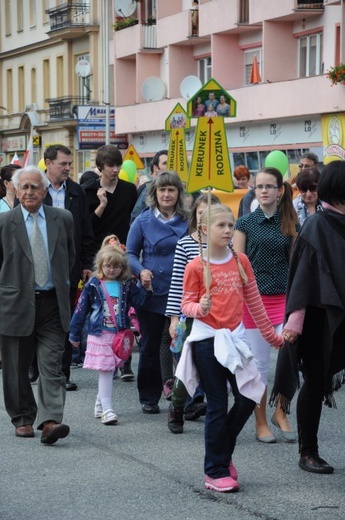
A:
x,y
36,256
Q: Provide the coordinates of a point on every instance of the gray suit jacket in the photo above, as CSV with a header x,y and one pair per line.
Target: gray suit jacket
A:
x,y
17,292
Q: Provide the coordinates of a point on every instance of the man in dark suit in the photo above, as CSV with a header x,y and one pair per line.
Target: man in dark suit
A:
x,y
63,192
34,312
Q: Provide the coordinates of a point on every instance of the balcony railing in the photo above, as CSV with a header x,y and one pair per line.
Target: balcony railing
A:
x,y
304,4
149,36
69,15
65,107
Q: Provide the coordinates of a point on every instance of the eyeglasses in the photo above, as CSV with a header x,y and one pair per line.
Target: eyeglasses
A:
x,y
302,166
111,267
311,187
267,187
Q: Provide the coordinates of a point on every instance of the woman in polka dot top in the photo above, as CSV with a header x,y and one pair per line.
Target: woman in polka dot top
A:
x,y
266,237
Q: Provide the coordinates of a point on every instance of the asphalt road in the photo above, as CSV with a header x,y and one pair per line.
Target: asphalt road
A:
x,y
139,470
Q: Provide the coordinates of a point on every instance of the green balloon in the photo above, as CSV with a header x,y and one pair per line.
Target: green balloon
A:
x,y
130,169
277,159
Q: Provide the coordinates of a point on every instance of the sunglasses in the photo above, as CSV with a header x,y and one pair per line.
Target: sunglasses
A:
x,y
307,187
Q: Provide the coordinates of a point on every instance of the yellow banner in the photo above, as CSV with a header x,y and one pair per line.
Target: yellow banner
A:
x,y
210,165
177,155
333,137
177,119
132,155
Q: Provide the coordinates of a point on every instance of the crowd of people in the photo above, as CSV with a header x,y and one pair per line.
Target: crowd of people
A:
x,y
271,279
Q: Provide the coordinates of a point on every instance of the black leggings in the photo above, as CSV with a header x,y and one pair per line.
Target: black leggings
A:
x,y
312,393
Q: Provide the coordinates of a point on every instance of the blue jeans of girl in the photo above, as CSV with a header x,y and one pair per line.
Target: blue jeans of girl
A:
x,y
221,426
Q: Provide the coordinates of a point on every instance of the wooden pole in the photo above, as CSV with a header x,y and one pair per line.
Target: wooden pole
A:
x,y
207,271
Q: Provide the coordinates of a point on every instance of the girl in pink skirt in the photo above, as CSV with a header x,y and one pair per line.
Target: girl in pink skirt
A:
x,y
112,275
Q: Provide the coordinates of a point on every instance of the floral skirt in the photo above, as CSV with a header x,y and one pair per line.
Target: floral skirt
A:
x,y
99,353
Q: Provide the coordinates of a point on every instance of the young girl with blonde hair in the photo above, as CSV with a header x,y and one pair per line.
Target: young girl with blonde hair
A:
x,y
217,339
112,277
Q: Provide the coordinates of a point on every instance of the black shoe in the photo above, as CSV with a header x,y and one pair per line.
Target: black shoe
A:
x,y
175,419
126,373
33,373
314,464
194,411
150,408
70,387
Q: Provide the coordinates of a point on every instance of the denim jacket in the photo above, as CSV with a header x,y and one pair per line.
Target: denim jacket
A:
x,y
91,302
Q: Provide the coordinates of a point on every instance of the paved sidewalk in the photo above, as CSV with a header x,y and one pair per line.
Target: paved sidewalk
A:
x,y
139,470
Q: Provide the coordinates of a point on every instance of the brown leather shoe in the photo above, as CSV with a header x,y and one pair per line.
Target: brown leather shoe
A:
x,y
24,431
53,431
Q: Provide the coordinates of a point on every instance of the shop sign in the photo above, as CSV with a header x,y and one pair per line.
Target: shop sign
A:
x,y
16,143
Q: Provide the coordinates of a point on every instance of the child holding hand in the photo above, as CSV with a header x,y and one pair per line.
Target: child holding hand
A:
x,y
111,278
217,343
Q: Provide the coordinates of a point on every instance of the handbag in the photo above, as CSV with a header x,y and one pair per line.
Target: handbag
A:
x,y
123,344
123,341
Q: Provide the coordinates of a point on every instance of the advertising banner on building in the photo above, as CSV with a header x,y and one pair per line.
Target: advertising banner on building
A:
x,y
91,128
333,137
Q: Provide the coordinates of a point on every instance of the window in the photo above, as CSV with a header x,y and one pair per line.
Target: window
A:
x,y
255,160
310,55
20,17
32,13
46,80
243,11
248,62
8,21
9,88
205,69
33,86
45,7
150,10
83,7
21,90
59,76
84,83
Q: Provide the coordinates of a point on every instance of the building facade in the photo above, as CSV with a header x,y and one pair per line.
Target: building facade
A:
x,y
41,86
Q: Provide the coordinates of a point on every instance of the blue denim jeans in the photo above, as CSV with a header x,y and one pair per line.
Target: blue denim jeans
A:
x,y
221,427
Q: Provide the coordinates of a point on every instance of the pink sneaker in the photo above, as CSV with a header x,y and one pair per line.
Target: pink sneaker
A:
x,y
223,485
233,471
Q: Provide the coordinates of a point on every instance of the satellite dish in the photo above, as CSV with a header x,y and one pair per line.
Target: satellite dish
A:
x,y
83,68
190,86
125,8
153,89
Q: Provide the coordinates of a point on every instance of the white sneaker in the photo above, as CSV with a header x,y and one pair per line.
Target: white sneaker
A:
x,y
98,410
109,417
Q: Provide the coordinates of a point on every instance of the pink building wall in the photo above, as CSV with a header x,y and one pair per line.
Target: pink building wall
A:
x,y
274,26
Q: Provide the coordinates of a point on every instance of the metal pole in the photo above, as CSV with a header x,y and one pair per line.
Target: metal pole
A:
x,y
106,72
